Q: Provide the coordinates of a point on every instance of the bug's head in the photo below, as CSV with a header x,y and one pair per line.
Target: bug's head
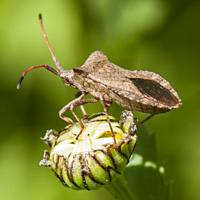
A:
x,y
66,77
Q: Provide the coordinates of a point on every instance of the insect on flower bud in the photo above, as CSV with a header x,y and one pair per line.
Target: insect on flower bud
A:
x,y
91,160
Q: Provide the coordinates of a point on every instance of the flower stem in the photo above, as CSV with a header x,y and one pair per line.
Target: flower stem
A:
x,y
119,189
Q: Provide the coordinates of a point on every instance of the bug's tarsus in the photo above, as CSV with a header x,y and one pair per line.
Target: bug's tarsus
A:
x,y
80,133
146,119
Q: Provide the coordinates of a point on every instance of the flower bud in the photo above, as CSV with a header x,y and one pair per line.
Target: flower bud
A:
x,y
92,160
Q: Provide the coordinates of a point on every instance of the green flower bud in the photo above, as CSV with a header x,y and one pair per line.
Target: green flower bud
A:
x,y
92,160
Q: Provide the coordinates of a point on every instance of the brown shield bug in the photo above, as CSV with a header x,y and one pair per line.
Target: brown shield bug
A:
x,y
137,90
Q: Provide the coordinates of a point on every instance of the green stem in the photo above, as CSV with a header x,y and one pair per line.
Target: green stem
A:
x,y
119,189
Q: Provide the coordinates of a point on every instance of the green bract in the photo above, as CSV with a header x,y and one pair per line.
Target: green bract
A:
x,y
91,160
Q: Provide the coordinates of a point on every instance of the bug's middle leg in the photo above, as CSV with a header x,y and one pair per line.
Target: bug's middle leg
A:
x,y
105,107
70,106
81,106
81,103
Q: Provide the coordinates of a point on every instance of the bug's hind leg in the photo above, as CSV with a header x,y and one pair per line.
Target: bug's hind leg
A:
x,y
146,119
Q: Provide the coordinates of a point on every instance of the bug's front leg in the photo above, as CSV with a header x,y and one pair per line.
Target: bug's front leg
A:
x,y
70,106
75,103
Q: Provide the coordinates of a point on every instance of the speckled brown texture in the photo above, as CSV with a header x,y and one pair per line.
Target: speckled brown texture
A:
x,y
137,90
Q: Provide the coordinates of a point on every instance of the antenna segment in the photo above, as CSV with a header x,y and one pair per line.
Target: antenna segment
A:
x,y
45,66
59,67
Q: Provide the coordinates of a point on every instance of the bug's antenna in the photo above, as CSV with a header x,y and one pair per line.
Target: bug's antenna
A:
x,y
46,39
34,67
45,66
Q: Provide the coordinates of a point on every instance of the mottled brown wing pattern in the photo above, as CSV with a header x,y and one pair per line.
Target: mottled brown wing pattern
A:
x,y
150,94
136,90
152,89
155,86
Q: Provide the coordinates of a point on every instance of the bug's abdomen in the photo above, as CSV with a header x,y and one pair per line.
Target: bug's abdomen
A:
x,y
152,96
142,105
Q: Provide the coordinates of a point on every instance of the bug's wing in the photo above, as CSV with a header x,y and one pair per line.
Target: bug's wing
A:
x,y
143,87
139,87
155,86
116,82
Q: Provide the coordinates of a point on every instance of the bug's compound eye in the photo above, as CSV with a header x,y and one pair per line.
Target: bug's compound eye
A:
x,y
66,76
91,160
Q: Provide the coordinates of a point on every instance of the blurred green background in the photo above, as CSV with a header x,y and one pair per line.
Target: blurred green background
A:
x,y
162,36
